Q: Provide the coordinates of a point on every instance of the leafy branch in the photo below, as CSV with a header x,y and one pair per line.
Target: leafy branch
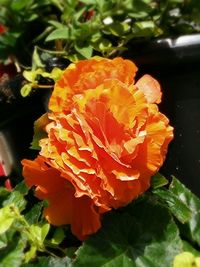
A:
x,y
79,29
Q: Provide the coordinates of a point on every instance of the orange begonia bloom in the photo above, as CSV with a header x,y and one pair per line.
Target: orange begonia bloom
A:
x,y
88,74
105,140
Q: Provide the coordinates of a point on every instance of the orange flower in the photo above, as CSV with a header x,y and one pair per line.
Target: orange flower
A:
x,y
105,140
88,74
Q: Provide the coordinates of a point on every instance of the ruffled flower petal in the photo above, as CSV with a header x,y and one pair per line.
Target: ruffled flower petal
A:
x,y
89,74
63,206
105,139
151,88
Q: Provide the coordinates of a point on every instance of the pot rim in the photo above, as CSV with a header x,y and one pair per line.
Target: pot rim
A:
x,y
165,51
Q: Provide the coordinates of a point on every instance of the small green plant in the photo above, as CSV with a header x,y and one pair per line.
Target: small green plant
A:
x,y
79,29
161,224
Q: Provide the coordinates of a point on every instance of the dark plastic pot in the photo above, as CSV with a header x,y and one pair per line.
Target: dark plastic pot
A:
x,y
176,64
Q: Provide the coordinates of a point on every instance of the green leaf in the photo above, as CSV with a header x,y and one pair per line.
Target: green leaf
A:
x,y
85,51
17,199
88,2
192,228
55,74
6,218
32,17
118,28
58,34
8,39
5,2
145,29
36,60
26,89
176,206
22,188
188,247
30,254
38,233
139,7
36,138
58,236
31,75
145,236
145,24
158,180
12,255
44,231
58,4
20,4
71,252
33,215
50,262
102,45
4,193
56,24
7,237
39,131
3,240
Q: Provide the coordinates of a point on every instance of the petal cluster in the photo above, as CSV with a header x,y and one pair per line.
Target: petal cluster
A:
x,y
105,139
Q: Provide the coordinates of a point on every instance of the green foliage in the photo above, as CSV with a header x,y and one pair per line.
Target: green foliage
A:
x,y
187,247
176,205
49,262
185,206
17,233
158,180
133,238
32,78
39,131
79,29
21,19
6,218
12,254
151,231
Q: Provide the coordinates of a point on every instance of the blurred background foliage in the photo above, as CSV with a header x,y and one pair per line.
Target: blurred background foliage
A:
x,y
79,29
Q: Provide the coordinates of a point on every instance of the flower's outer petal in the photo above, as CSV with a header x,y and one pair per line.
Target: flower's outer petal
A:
x,y
152,152
63,207
86,218
151,88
